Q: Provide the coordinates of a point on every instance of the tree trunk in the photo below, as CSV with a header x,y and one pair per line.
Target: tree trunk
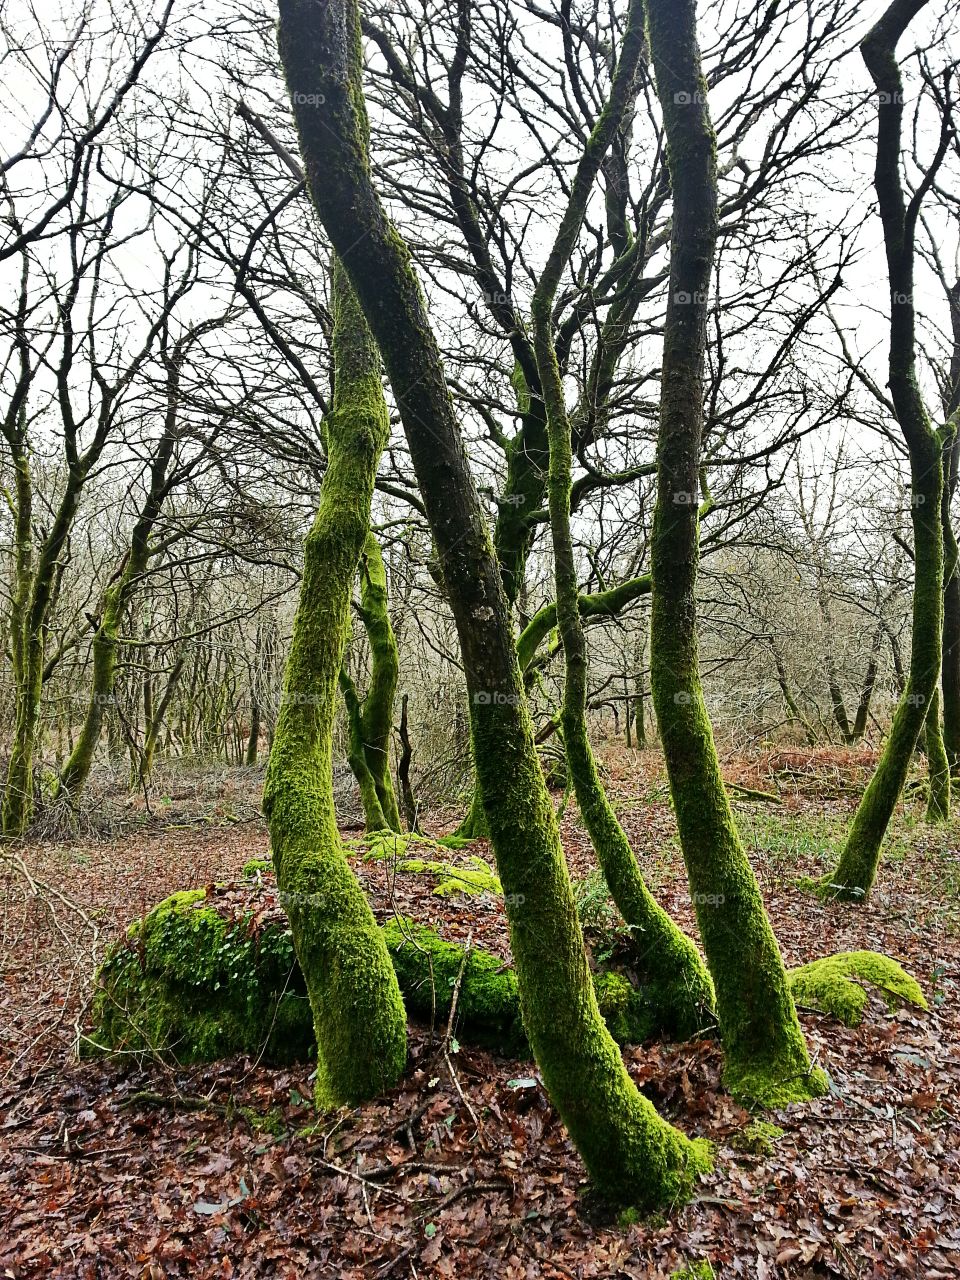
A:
x,y
950,676
665,958
857,869
411,810
766,1057
357,1009
633,1155
938,766
377,712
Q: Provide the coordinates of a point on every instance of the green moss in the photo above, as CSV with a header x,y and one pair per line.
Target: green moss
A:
x,y
775,1082
837,984
190,984
626,1010
695,1271
757,1138
470,881
488,1006
256,867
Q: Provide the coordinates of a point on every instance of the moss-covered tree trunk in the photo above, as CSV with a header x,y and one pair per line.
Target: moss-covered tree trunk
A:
x,y
950,674
766,1057
857,869
633,1155
80,761
666,958
370,720
36,578
938,766
357,1009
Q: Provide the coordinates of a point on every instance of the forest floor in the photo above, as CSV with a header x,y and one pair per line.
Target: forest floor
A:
x,y
138,1168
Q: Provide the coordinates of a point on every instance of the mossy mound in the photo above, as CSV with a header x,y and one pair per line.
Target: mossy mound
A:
x,y
757,1138
838,984
202,977
197,983
471,880
474,877
488,1004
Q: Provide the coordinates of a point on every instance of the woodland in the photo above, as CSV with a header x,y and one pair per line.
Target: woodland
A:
x,y
480,639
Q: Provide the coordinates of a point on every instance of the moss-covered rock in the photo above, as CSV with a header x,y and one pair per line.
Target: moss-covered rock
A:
x,y
838,984
488,1005
626,1009
203,977
471,880
193,983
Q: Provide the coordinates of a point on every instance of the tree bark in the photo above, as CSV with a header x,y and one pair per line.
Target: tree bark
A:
x,y
357,1008
766,1057
856,870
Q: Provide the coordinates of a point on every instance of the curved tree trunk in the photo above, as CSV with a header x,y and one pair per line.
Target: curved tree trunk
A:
x,y
665,957
633,1155
766,1057
857,869
357,1009
950,677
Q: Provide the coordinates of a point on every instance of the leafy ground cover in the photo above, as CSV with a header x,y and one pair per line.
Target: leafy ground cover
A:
x,y
132,1167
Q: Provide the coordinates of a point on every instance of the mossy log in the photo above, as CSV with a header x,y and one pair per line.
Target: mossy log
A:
x,y
204,977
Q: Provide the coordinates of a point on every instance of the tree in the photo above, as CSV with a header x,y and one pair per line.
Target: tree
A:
x,y
765,1054
856,870
357,1008
370,719
667,959
633,1156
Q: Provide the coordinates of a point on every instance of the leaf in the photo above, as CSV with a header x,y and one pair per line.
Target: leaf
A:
x,y
205,1206
430,1230
523,1082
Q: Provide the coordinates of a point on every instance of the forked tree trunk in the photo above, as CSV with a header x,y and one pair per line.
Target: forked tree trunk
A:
x,y
857,869
633,1155
766,1057
665,957
357,1009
